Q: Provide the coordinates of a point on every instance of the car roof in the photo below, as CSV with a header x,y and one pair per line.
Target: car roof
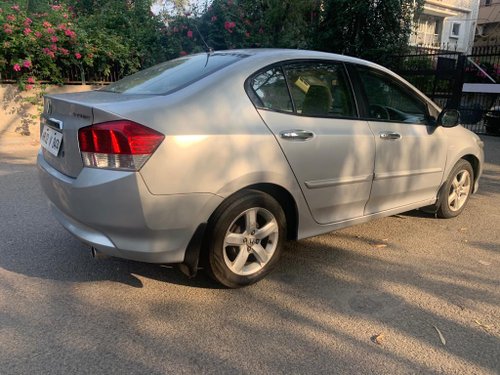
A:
x,y
280,54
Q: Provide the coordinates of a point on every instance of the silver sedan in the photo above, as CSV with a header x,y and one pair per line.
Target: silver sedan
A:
x,y
216,159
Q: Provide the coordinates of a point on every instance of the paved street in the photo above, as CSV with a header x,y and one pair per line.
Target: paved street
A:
x,y
407,279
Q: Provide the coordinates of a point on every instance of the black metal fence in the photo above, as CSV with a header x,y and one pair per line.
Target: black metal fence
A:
x,y
452,79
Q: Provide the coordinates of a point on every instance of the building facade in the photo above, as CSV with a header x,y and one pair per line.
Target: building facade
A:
x,y
488,23
447,24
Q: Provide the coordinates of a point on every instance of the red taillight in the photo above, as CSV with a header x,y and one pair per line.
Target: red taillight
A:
x,y
117,144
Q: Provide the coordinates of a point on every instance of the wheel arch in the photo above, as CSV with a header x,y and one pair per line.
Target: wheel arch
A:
x,y
283,197
474,162
287,203
196,253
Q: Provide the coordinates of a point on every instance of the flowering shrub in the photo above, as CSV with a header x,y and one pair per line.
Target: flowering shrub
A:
x,y
38,46
64,42
227,24
488,70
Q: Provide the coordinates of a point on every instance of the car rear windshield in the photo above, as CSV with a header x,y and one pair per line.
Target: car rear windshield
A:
x,y
174,74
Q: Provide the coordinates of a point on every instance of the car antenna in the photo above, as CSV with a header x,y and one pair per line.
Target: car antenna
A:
x,y
208,49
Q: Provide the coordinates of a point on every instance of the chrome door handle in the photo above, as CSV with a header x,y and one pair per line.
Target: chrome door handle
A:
x,y
296,135
390,135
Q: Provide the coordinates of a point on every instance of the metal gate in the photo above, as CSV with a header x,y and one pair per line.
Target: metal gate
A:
x,y
455,80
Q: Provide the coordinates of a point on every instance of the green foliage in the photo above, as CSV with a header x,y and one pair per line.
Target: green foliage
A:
x,y
112,38
367,28
123,32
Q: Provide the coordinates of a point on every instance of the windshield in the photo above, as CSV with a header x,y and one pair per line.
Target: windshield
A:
x,y
174,74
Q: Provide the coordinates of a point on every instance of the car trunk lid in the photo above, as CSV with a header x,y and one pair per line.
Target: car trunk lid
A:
x,y
66,114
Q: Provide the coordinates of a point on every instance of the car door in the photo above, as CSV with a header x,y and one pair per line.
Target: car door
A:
x,y
410,151
310,109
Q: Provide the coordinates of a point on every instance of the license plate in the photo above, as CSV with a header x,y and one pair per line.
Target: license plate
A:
x,y
51,140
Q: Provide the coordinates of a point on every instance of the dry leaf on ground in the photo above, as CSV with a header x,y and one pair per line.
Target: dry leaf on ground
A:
x,y
441,337
483,326
378,339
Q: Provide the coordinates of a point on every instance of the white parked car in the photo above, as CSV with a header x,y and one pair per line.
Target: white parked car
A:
x,y
226,155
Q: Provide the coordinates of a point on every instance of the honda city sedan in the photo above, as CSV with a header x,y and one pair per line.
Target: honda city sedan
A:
x,y
216,159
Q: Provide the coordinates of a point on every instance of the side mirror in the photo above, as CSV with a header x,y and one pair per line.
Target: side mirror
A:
x,y
449,118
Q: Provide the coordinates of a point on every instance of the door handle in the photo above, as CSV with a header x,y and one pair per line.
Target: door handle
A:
x,y
390,135
296,135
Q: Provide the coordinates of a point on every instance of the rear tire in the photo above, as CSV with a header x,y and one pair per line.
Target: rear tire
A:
x,y
245,238
456,191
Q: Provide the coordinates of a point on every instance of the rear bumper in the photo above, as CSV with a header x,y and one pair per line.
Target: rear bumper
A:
x,y
115,212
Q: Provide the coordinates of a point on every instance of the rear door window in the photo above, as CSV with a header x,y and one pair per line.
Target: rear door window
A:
x,y
320,89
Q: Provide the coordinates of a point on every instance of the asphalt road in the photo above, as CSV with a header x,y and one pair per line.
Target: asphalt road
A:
x,y
402,278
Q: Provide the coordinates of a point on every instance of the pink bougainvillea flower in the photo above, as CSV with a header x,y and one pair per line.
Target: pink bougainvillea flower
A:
x,y
182,53
78,56
90,55
31,80
176,29
247,34
27,31
48,52
229,2
229,26
11,17
54,39
27,64
56,7
38,34
64,51
8,31
70,33
46,24
261,31
29,87
17,67
15,7
50,30
65,15
214,18
189,34
27,22
62,26
53,47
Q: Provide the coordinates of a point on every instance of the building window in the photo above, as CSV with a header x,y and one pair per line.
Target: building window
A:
x,y
487,3
455,30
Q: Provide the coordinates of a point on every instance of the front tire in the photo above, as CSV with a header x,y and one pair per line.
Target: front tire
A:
x,y
456,191
246,235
